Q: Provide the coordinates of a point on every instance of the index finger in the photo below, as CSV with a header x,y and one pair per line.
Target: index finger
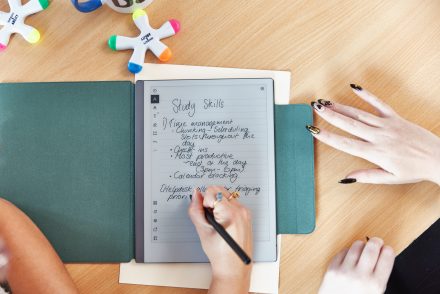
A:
x,y
223,210
211,196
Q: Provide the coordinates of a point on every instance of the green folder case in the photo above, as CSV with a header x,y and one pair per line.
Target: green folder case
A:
x,y
67,160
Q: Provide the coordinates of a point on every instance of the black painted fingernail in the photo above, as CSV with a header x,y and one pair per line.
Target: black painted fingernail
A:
x,y
312,129
368,238
190,197
317,106
325,103
347,181
356,87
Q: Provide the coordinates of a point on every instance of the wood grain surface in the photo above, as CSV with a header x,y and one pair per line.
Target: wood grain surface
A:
x,y
391,48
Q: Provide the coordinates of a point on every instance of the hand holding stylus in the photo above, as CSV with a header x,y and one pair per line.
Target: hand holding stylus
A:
x,y
230,273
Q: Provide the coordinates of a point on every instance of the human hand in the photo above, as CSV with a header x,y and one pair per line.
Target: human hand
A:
x,y
404,151
230,274
364,268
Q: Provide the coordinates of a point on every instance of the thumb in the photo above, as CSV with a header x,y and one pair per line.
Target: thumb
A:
x,y
371,176
196,211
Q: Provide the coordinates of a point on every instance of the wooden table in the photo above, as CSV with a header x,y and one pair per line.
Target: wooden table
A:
x,y
391,48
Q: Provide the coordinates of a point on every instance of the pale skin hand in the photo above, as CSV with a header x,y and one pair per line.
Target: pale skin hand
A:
x,y
363,269
229,273
403,151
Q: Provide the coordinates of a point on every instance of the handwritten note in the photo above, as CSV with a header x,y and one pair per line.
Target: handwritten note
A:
x,y
215,132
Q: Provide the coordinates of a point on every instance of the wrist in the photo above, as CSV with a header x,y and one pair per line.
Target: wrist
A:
x,y
230,284
224,269
238,279
244,276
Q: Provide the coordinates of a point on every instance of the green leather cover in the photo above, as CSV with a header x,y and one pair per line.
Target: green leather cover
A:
x,y
66,160
294,160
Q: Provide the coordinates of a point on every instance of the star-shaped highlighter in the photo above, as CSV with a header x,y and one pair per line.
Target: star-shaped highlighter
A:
x,y
13,21
149,39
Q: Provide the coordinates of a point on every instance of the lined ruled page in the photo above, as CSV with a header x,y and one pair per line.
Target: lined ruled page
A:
x,y
200,133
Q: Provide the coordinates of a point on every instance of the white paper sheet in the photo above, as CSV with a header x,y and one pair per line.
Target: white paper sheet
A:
x,y
265,276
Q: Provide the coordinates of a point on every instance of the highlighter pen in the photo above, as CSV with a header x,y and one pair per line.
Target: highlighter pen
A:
x,y
231,242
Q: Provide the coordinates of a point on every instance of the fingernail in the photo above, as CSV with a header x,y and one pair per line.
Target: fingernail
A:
x,y
368,238
325,103
193,193
317,106
347,181
356,87
312,129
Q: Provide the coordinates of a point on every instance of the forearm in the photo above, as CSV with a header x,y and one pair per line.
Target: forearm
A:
x,y
34,266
